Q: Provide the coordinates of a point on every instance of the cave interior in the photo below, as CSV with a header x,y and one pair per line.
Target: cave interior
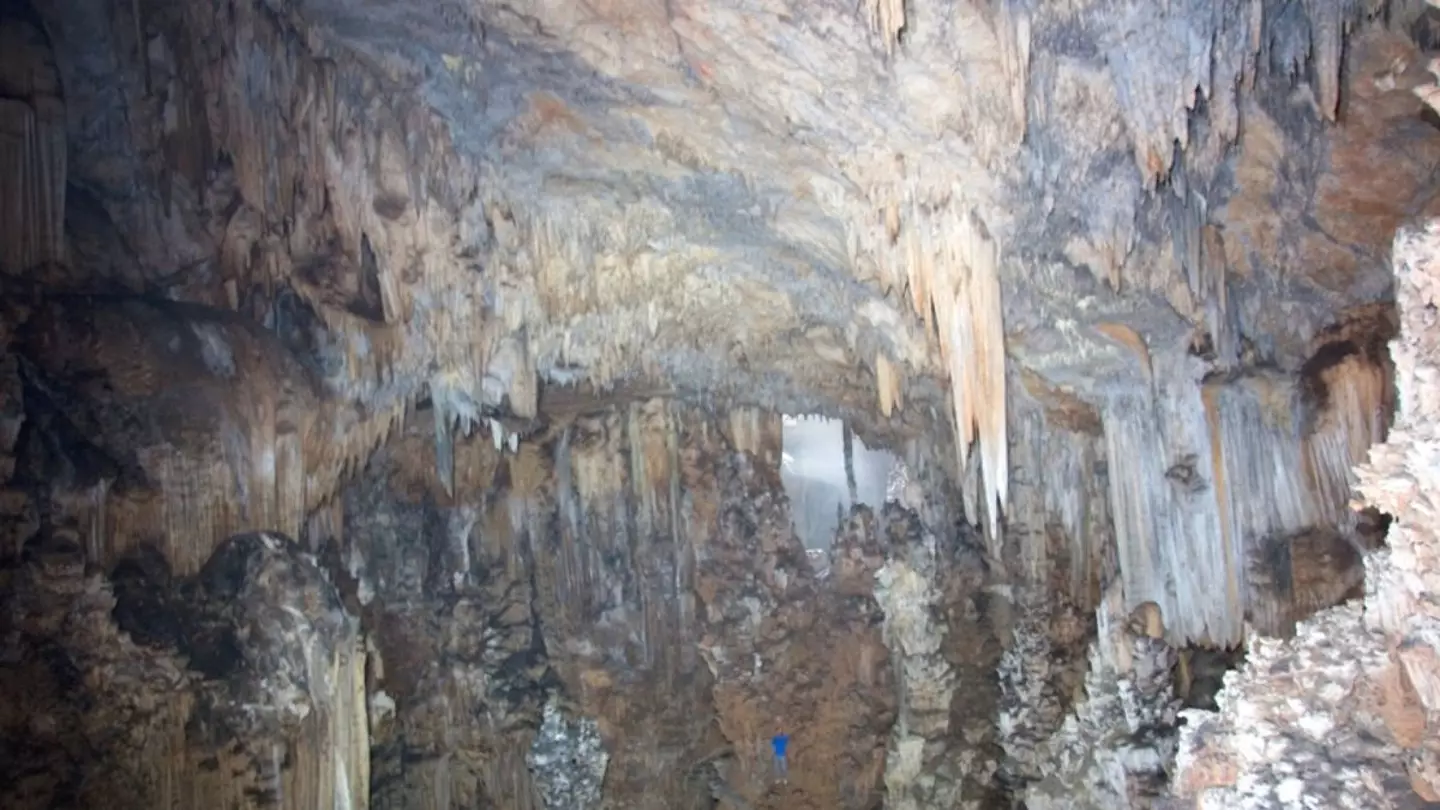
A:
x,y
536,405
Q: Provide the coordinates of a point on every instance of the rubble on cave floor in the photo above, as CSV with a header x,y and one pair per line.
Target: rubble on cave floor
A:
x,y
1303,723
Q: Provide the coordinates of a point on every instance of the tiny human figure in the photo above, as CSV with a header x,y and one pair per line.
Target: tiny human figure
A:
x,y
780,742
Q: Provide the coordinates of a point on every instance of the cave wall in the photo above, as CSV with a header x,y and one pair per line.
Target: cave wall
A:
x,y
628,568
240,687
647,570
1343,713
280,169
1113,292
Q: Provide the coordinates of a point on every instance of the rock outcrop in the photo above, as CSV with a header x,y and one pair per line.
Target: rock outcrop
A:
x,y
1116,747
925,766
1342,714
243,685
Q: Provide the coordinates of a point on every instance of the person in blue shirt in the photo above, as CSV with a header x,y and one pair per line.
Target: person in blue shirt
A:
x,y
780,742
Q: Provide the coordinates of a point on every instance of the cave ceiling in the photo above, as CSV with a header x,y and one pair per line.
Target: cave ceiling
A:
x,y
887,212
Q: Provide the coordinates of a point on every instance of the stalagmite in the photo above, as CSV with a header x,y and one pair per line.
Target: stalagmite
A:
x,y
602,247
1115,746
907,593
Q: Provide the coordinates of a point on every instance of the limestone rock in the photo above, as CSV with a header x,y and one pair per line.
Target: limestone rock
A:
x,y
1342,714
250,684
1115,748
568,760
497,307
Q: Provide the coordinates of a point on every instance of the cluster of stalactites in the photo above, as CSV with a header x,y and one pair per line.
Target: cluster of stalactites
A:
x,y
887,18
1059,453
1205,480
32,150
949,263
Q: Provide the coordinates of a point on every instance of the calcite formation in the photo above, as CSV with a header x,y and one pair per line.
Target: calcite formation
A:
x,y
568,760
242,685
935,758
1115,748
392,402
1341,715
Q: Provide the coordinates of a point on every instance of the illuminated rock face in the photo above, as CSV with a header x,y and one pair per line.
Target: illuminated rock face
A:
x,y
391,395
1342,714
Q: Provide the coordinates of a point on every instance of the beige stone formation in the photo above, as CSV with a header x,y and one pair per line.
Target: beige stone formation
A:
x,y
1343,714
393,403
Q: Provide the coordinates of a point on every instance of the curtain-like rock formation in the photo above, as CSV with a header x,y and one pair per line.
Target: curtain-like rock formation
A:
x,y
1341,714
241,686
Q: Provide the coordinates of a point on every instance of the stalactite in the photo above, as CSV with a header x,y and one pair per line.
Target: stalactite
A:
x,y
1351,419
887,19
889,385
1252,466
32,149
1131,340
444,451
1167,527
1059,501
1013,34
250,442
948,261
1200,251
847,442
649,435
1330,21
1258,477
756,431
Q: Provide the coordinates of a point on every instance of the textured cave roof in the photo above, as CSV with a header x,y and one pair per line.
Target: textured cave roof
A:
x,y
690,196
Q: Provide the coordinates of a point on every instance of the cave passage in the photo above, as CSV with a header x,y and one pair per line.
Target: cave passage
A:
x,y
818,476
